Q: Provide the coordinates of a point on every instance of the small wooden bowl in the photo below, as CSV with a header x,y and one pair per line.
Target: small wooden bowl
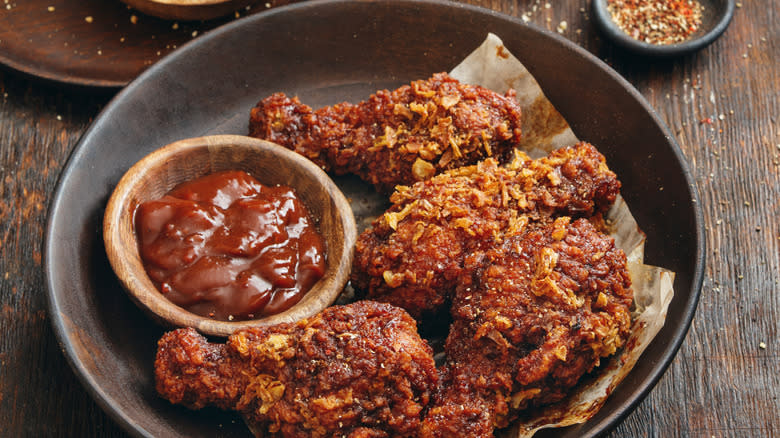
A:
x,y
159,172
188,10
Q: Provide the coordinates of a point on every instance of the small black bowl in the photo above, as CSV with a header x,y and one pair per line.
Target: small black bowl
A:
x,y
716,17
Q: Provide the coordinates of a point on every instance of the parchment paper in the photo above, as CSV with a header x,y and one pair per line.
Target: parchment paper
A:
x,y
544,129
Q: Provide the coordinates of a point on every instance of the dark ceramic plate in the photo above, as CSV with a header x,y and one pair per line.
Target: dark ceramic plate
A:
x,y
327,52
716,17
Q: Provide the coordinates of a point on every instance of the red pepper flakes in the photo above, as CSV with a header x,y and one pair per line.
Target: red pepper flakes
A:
x,y
707,120
658,22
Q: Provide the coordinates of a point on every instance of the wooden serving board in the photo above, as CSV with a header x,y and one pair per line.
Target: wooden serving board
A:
x,y
96,43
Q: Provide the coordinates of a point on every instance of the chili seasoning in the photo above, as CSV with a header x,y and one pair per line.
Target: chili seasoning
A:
x,y
658,22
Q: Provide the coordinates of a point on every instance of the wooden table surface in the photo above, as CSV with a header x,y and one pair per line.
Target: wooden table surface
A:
x,y
721,104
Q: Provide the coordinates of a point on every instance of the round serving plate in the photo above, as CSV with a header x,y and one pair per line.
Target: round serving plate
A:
x,y
326,52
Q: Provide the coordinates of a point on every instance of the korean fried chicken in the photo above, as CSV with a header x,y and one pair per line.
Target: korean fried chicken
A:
x,y
416,254
542,310
359,370
396,137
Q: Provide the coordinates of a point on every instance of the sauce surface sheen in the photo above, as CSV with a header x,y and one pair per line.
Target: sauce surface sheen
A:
x,y
228,247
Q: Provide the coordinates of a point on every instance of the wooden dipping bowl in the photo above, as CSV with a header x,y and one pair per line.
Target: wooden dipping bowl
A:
x,y
185,160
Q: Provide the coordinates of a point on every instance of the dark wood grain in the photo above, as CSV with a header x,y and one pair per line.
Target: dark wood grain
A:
x,y
720,103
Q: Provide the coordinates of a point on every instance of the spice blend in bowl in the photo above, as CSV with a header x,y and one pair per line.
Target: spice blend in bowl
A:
x,y
657,21
663,27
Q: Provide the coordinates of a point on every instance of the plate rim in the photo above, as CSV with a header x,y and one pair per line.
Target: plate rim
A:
x,y
609,422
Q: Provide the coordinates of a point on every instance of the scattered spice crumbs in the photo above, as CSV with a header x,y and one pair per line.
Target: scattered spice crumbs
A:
x,y
658,22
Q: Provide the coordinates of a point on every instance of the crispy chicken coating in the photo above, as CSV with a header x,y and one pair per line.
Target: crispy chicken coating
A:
x,y
396,137
542,310
359,370
416,254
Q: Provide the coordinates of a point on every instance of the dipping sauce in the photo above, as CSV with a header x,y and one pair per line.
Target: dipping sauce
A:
x,y
228,247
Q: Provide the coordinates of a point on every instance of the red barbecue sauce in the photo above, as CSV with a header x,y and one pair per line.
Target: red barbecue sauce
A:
x,y
227,247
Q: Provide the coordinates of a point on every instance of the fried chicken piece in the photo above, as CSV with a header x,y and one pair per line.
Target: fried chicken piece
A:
x,y
359,370
416,254
396,137
543,309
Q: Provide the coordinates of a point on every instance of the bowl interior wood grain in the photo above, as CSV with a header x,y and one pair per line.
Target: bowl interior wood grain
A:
x,y
159,172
